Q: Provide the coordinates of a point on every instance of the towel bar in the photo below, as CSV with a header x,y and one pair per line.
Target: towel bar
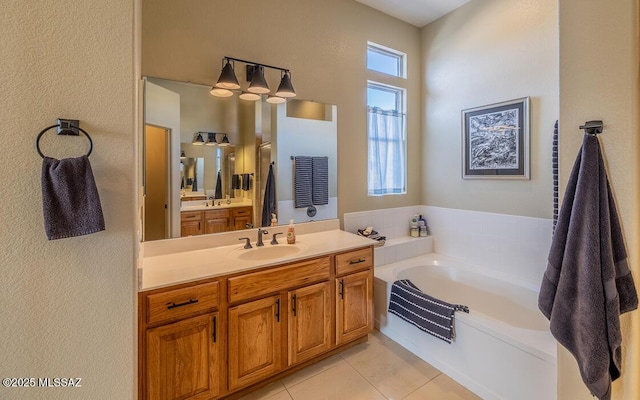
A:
x,y
65,127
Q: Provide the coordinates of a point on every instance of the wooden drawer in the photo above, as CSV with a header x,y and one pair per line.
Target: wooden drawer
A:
x,y
241,211
182,303
354,261
190,215
275,279
216,214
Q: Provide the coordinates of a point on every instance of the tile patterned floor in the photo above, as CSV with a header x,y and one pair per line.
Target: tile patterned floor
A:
x,y
380,369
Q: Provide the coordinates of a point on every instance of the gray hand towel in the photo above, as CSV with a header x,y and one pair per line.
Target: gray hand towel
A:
x,y
269,205
70,201
587,284
303,181
320,180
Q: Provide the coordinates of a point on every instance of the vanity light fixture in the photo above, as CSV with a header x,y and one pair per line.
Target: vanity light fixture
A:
x,y
228,82
227,79
211,140
198,139
225,141
182,155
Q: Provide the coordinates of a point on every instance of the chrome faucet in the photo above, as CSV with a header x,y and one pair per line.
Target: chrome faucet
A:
x,y
260,233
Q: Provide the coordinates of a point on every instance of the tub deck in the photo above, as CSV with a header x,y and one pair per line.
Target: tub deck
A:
x,y
503,348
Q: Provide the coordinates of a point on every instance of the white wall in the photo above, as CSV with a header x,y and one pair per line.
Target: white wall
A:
x,y
486,52
68,306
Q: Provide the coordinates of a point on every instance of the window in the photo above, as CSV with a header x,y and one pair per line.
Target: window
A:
x,y
386,140
386,60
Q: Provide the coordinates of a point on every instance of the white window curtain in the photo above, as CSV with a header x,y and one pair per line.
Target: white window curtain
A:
x,y
387,152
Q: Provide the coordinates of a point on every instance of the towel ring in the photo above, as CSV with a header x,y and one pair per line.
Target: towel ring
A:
x,y
60,126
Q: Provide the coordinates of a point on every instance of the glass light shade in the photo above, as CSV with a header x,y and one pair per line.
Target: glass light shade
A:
x,y
225,141
249,96
198,140
258,83
211,141
220,92
227,79
182,155
285,89
276,100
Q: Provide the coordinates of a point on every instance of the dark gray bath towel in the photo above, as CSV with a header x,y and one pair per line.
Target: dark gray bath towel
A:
x,y
303,181
320,180
70,201
587,284
270,204
426,313
218,191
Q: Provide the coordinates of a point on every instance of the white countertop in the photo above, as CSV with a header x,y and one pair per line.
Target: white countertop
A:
x,y
201,206
171,269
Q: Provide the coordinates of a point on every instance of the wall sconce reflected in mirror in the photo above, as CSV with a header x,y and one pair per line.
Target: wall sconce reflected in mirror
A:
x,y
211,141
225,141
227,82
182,155
198,140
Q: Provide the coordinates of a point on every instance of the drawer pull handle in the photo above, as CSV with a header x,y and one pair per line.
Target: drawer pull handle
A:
x,y
186,303
358,261
294,308
278,310
341,288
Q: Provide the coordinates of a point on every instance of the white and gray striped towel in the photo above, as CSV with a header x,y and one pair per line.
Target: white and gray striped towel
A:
x,y
427,313
303,181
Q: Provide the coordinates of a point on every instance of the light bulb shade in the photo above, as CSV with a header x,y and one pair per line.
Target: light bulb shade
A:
x,y
285,89
198,140
258,83
211,140
250,96
182,155
225,141
227,79
276,100
220,92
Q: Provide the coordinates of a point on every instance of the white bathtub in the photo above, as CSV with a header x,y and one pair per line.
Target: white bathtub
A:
x,y
503,347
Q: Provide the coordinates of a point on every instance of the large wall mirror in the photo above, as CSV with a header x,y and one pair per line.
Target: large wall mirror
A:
x,y
206,159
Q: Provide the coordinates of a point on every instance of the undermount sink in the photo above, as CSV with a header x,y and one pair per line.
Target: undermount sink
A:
x,y
267,252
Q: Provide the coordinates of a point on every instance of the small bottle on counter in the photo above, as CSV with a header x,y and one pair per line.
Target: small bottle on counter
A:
x,y
291,233
423,228
274,220
413,226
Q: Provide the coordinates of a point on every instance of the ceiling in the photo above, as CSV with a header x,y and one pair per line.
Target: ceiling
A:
x,y
415,12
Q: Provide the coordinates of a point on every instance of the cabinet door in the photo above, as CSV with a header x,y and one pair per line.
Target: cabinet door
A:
x,y
354,306
190,228
241,222
241,217
309,322
216,225
183,360
255,333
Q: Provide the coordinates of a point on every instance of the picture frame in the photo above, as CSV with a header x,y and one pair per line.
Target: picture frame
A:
x,y
495,141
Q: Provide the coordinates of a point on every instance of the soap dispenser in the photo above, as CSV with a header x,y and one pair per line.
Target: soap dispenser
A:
x,y
291,233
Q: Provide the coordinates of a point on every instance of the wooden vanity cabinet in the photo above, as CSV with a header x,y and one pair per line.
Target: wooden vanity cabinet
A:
x,y
354,295
216,221
241,217
191,223
255,331
225,336
181,337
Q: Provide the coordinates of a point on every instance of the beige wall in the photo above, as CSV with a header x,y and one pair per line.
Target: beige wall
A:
x,y
324,45
67,306
482,53
599,80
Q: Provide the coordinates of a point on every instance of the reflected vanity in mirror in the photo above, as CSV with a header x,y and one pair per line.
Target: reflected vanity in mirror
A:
x,y
206,159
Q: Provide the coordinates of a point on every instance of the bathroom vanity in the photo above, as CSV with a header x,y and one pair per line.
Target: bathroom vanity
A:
x,y
220,322
215,219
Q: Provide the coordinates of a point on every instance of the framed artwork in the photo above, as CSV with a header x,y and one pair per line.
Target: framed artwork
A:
x,y
495,141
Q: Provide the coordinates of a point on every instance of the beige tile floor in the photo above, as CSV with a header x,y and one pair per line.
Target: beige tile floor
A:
x,y
377,370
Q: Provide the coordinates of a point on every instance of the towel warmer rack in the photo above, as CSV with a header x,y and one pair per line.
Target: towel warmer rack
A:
x,y
592,127
67,127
